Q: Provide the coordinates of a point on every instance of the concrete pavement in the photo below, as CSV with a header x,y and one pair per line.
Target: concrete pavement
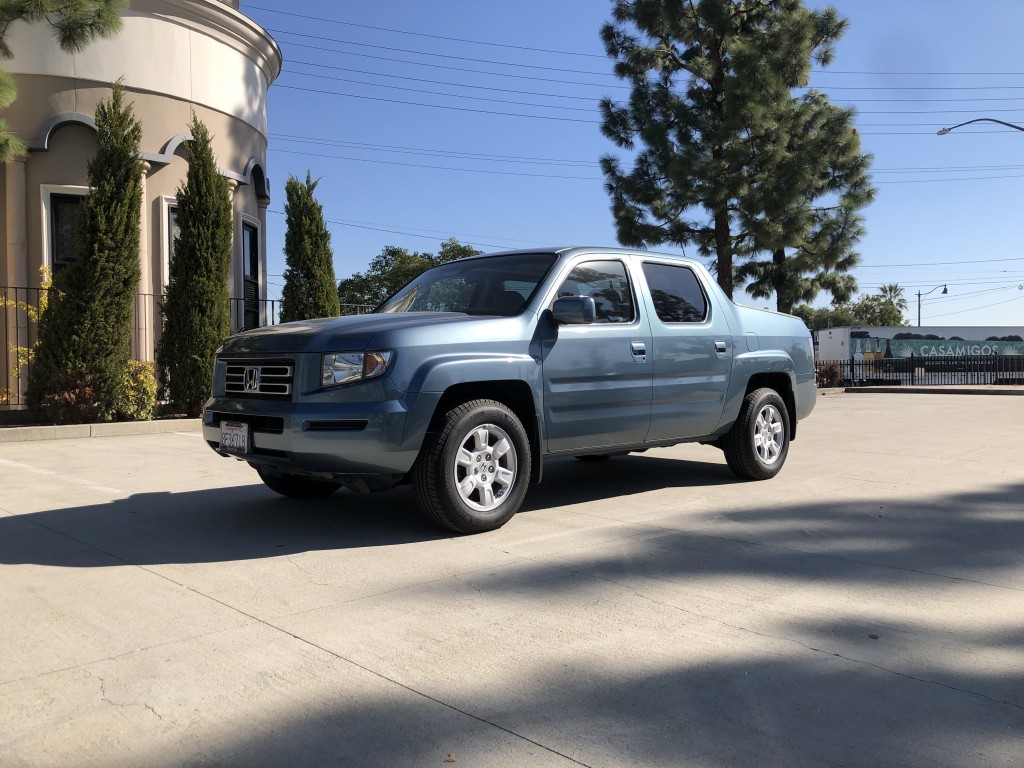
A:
x,y
159,607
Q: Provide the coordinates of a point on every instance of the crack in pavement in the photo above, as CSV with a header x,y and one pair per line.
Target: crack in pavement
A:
x,y
107,700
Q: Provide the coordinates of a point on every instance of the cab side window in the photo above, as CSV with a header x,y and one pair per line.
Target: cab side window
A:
x,y
677,295
607,284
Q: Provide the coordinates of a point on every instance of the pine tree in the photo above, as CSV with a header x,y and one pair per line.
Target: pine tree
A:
x,y
804,210
75,23
711,95
85,333
310,289
196,310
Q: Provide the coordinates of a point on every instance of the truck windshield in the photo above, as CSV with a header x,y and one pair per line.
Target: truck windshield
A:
x,y
491,285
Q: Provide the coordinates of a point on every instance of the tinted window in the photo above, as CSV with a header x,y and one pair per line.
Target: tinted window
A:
x,y
677,295
64,229
607,284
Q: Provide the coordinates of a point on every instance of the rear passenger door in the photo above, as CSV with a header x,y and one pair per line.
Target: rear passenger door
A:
x,y
597,377
692,352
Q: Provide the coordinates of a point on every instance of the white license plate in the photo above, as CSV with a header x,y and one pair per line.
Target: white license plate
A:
x,y
234,436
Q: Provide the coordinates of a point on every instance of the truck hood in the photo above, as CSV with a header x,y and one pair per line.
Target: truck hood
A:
x,y
334,334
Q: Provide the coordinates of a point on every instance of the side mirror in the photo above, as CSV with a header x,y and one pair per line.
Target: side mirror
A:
x,y
574,310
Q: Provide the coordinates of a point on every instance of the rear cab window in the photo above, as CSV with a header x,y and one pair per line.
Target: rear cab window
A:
x,y
676,293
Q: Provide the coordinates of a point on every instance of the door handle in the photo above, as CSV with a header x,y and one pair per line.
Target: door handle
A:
x,y
720,347
639,350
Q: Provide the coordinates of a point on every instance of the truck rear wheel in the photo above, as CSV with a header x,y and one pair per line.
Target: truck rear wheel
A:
x,y
758,443
297,486
472,474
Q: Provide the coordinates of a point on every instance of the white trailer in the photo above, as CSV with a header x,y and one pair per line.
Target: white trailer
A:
x,y
871,342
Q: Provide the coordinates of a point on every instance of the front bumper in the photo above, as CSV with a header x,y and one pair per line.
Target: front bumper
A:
x,y
326,438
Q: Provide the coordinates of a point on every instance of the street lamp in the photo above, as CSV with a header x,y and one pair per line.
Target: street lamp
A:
x,y
944,131
919,295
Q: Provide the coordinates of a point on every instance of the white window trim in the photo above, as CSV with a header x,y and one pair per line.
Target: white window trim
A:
x,y
45,192
166,202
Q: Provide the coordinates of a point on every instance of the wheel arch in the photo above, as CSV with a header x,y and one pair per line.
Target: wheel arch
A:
x,y
782,383
513,393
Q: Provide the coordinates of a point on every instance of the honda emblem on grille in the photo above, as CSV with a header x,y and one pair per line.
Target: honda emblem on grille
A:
x,y
251,380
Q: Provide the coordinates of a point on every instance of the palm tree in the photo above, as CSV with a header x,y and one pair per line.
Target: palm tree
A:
x,y
892,293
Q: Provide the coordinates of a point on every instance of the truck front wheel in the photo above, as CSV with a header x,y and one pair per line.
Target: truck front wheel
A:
x,y
756,446
473,473
297,486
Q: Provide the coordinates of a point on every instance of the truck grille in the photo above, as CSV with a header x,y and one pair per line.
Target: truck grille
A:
x,y
259,378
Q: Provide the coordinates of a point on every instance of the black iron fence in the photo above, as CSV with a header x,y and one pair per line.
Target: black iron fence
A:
x,y
922,371
19,316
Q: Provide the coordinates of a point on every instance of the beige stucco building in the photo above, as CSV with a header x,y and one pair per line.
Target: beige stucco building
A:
x,y
174,57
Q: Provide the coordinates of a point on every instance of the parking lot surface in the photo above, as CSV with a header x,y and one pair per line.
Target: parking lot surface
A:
x,y
160,607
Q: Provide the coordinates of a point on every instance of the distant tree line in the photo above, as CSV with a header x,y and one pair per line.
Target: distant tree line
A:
x,y
884,308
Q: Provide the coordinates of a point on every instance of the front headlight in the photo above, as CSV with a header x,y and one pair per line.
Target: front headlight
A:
x,y
344,367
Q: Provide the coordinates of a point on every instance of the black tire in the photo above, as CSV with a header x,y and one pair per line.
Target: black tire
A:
x,y
297,486
448,490
592,458
758,443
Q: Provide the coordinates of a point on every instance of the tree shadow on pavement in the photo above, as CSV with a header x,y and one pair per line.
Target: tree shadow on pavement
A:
x,y
560,684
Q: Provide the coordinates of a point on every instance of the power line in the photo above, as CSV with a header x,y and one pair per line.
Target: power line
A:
x,y
596,85
436,167
960,262
578,178
983,306
567,162
452,95
438,152
936,181
460,69
590,99
413,234
441,82
325,39
438,106
491,44
912,74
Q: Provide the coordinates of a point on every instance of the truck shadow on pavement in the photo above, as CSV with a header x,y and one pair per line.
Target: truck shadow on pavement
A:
x,y
248,522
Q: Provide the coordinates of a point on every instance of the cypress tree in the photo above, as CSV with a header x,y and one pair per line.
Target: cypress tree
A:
x,y
196,309
86,330
711,104
309,285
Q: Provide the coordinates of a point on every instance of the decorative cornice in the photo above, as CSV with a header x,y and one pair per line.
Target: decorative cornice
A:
x,y
231,26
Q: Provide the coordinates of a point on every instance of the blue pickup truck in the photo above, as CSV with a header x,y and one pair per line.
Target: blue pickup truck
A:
x,y
470,375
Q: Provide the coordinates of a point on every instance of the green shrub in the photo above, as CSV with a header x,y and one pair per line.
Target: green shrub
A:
x,y
136,400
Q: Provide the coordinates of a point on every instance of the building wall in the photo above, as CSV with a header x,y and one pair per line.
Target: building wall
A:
x,y
175,58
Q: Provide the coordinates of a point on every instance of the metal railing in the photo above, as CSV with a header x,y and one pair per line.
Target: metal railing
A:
x,y
917,370
19,318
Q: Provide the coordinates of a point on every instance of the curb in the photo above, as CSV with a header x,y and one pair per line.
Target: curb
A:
x,y
991,389
115,429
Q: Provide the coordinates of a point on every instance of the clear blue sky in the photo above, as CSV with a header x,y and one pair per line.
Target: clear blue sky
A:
x,y
404,110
